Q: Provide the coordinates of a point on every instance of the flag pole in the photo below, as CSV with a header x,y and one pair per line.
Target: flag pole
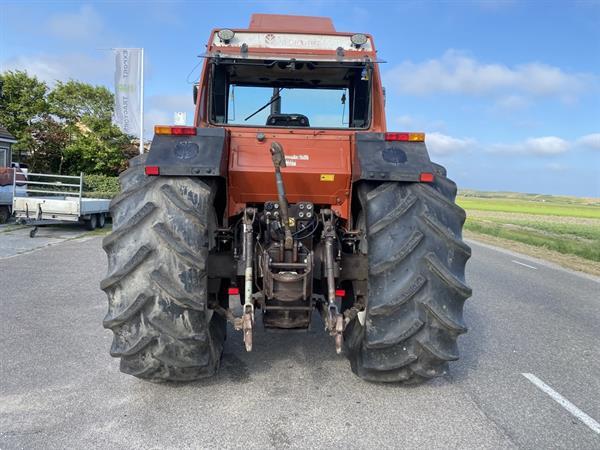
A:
x,y
142,104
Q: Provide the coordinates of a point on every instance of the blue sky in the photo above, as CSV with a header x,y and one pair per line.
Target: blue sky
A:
x,y
508,92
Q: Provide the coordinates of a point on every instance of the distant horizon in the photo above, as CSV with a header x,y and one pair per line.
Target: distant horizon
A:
x,y
463,189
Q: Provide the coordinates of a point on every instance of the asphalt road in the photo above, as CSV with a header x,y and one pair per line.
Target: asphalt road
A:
x,y
59,388
15,240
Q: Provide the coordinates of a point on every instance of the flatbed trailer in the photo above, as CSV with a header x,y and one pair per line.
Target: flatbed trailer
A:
x,y
60,203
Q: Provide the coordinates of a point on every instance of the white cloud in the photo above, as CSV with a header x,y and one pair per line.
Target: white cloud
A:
x,y
591,141
77,66
457,73
83,24
442,144
547,145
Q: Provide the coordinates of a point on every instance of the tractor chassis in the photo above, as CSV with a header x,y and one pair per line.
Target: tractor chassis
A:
x,y
286,287
286,269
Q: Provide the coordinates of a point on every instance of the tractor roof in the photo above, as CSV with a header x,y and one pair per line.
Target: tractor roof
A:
x,y
282,23
272,36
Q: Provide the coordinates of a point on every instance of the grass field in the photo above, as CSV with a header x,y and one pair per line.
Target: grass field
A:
x,y
566,225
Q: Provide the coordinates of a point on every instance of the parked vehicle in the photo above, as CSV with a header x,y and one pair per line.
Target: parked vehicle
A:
x,y
57,202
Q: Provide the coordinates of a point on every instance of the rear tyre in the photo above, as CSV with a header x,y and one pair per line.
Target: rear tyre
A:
x,y
101,220
416,282
157,283
92,222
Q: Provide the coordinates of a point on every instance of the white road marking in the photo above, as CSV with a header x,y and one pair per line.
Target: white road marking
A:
x,y
587,420
523,264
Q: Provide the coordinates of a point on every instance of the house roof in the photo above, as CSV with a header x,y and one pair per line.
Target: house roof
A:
x,y
5,136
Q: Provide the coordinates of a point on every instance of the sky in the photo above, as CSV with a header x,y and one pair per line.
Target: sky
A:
x,y
508,92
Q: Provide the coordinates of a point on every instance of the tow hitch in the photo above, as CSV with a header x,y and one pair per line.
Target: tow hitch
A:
x,y
248,308
334,321
285,261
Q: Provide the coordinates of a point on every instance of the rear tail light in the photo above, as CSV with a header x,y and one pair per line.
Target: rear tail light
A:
x,y
152,170
405,137
426,177
340,292
233,291
175,131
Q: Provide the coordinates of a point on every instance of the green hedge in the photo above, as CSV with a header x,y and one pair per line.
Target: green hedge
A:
x,y
100,186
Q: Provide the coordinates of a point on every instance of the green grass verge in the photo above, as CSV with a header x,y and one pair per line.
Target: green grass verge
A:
x,y
531,197
574,230
559,243
568,225
530,207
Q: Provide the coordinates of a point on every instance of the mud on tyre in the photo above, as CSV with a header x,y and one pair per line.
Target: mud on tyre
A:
x,y
157,283
416,282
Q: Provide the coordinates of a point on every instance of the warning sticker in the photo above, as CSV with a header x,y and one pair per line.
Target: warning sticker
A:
x,y
327,177
292,160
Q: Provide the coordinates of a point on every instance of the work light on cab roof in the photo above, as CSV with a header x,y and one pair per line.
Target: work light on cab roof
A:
x,y
226,35
359,39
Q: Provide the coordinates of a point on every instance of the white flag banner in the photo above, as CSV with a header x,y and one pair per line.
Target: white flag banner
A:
x,y
128,86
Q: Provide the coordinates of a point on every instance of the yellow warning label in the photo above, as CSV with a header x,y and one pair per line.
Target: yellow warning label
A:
x,y
327,177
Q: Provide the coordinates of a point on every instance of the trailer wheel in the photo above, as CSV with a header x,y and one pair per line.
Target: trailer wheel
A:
x,y
4,214
416,282
92,222
101,220
157,287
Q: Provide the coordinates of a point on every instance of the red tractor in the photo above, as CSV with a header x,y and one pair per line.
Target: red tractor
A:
x,y
290,191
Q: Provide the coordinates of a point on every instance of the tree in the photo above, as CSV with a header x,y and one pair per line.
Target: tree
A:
x,y
95,146
48,141
72,101
66,130
22,102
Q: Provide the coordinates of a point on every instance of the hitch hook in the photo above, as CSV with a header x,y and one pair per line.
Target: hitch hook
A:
x,y
248,315
248,325
334,321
